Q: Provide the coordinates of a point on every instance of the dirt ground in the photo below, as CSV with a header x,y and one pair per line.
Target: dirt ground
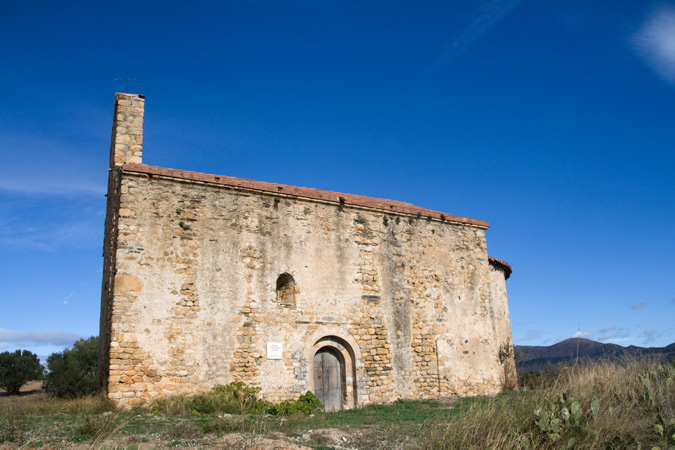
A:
x,y
328,438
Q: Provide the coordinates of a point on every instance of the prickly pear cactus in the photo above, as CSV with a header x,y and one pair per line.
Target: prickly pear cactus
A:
x,y
562,416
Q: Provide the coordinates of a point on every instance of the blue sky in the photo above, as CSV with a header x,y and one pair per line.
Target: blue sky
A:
x,y
552,120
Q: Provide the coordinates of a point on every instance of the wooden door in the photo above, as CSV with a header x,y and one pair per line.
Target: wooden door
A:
x,y
328,379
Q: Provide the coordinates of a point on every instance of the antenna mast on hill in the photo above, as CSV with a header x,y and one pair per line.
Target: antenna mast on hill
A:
x,y
125,79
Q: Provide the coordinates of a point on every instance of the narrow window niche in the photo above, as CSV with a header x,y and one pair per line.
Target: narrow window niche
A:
x,y
286,290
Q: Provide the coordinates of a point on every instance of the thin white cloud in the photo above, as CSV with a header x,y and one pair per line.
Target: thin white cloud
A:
x,y
656,41
639,305
56,187
51,223
50,237
14,338
650,336
488,14
65,300
62,168
583,334
614,334
529,336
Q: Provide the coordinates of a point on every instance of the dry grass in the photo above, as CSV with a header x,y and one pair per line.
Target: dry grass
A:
x,y
41,403
30,417
634,400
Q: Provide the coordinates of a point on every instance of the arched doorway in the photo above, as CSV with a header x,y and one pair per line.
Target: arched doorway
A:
x,y
329,378
334,368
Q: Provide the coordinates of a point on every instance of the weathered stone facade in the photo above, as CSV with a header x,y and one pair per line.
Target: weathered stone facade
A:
x,y
211,279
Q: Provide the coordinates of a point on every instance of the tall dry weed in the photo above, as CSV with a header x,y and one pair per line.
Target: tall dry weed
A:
x,y
42,404
12,425
617,407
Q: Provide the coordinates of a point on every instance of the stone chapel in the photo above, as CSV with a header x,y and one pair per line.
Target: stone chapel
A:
x,y
210,279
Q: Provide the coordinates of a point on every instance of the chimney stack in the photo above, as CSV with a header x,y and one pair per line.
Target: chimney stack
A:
x,y
126,144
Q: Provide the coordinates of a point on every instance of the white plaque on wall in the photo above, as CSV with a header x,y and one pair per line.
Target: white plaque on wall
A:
x,y
274,350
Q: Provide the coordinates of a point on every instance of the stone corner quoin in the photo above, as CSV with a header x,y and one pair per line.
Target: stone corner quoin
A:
x,y
212,279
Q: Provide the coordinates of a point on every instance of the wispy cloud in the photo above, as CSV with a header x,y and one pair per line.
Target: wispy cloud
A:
x,y
615,334
18,184
79,232
650,336
96,278
488,14
639,305
48,223
583,334
68,297
13,338
656,41
63,168
529,336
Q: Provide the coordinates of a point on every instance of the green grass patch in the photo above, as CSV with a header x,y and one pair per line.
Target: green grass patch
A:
x,y
399,412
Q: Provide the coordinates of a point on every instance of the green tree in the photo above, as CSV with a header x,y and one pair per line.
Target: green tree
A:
x,y
72,373
18,368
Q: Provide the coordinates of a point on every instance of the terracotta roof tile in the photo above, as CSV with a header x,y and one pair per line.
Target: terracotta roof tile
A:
x,y
502,265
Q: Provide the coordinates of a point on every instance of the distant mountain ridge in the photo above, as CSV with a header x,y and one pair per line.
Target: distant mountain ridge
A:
x,y
530,358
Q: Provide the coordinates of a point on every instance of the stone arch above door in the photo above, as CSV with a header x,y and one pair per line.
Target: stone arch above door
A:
x,y
343,345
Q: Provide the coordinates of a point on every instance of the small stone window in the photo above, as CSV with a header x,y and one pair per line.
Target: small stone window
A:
x,y
286,290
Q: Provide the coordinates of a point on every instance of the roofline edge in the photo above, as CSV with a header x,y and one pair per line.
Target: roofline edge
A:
x,y
503,265
372,203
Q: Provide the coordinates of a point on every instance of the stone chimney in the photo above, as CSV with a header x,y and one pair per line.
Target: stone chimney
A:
x,y
126,144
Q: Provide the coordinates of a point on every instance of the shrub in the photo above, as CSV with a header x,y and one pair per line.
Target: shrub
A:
x,y
72,373
306,404
18,368
234,398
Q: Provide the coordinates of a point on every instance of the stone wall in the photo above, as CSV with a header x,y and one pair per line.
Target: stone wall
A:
x,y
499,310
195,299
